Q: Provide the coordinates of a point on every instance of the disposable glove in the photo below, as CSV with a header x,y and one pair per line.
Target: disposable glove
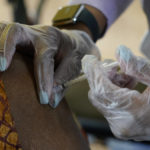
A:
x,y
126,110
57,55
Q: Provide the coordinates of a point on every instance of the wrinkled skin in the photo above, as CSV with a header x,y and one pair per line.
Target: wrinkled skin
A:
x,y
57,55
126,110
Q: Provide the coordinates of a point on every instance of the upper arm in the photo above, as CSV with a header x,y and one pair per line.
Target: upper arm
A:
x,y
39,126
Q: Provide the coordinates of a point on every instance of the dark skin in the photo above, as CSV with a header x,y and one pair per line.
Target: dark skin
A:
x,y
39,126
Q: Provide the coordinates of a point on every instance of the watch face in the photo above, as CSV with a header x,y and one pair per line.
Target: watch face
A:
x,y
66,13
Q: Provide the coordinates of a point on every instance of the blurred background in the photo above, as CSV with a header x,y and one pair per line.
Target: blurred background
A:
x,y
128,30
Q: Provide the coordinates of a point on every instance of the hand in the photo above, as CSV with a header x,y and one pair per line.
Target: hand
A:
x,y
126,110
57,55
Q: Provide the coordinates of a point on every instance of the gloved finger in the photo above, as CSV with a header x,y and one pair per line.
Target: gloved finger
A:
x,y
132,65
46,47
103,93
44,72
68,69
88,62
10,36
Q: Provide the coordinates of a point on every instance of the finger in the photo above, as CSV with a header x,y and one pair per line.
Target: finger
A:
x,y
102,91
57,95
44,72
68,69
10,35
46,47
90,61
132,65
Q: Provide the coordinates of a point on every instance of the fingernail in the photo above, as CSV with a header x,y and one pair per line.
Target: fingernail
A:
x,y
57,96
44,97
124,53
57,99
3,63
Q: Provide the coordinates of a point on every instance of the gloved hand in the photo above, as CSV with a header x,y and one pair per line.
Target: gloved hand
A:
x,y
126,110
57,55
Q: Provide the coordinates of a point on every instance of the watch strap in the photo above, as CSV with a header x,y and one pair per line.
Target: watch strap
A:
x,y
89,20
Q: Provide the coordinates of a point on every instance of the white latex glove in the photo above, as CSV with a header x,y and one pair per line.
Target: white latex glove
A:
x,y
57,55
127,111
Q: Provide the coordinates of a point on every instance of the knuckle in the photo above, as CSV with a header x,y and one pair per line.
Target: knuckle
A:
x,y
17,26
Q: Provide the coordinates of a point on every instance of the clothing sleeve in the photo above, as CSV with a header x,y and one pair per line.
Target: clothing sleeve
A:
x,y
146,8
112,9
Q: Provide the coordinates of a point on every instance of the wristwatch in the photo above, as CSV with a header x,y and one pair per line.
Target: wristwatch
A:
x,y
77,13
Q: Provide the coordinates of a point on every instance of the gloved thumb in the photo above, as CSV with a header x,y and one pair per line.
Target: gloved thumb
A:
x,y
137,67
11,34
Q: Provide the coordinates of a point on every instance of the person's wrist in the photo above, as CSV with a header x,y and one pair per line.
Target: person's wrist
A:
x,y
99,17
